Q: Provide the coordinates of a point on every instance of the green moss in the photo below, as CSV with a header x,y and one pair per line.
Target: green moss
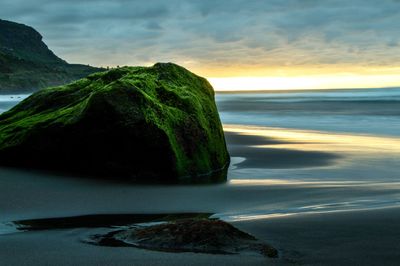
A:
x,y
163,108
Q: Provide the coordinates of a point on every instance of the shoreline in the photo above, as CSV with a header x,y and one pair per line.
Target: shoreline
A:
x,y
329,239
298,90
339,210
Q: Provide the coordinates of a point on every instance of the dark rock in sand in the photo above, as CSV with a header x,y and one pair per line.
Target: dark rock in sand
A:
x,y
188,235
155,123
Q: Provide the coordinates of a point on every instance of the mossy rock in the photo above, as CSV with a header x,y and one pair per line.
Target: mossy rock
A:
x,y
156,123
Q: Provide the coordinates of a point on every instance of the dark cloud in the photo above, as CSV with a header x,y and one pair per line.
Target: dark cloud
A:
x,y
216,33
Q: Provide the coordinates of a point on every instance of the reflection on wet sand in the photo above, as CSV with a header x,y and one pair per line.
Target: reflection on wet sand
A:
x,y
264,152
270,148
315,140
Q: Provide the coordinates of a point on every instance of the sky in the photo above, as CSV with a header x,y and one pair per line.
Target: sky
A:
x,y
237,44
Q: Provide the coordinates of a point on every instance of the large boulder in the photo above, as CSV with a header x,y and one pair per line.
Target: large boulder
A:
x,y
143,123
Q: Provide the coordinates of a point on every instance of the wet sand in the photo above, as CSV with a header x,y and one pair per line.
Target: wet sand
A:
x,y
339,238
345,238
321,198
303,237
272,157
309,221
62,248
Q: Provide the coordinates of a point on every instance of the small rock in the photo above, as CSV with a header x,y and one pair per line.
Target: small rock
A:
x,y
188,235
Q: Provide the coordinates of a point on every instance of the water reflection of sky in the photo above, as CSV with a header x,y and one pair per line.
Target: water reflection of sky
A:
x,y
304,158
324,152
374,111
352,157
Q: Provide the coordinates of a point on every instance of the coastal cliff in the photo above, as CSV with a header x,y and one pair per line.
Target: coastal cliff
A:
x,y
27,64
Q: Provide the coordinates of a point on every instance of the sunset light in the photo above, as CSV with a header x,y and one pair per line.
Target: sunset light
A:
x,y
186,132
304,82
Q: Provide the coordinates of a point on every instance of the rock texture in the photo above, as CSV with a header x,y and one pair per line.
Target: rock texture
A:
x,y
188,235
27,64
143,123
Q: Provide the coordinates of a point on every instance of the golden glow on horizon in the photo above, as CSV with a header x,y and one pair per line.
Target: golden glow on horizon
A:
x,y
312,82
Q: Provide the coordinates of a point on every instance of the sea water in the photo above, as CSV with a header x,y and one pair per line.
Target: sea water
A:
x,y
292,152
368,111
8,101
342,145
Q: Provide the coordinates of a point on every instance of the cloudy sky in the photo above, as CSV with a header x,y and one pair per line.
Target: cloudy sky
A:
x,y
222,38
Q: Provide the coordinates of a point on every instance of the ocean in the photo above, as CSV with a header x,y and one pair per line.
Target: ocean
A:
x,y
306,164
359,111
347,141
343,139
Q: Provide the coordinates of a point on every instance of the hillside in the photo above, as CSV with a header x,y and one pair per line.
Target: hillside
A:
x,y
27,64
